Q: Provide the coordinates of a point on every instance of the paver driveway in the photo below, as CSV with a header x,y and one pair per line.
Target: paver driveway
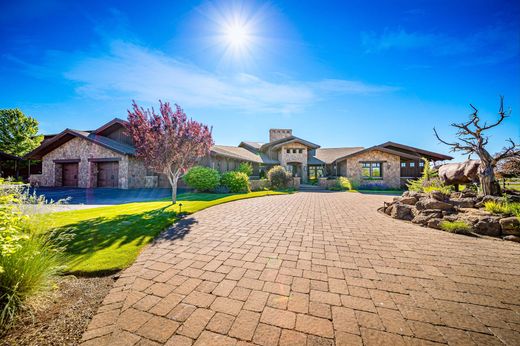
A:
x,y
315,269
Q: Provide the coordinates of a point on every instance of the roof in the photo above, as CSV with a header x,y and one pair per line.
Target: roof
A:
x,y
287,140
69,134
252,145
401,150
329,155
6,156
116,121
236,153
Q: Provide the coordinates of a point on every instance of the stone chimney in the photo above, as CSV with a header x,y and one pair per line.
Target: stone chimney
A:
x,y
276,134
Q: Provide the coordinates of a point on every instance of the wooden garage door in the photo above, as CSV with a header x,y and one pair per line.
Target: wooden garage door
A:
x,y
108,174
70,174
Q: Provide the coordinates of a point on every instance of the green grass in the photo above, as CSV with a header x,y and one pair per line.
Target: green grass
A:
x,y
458,227
509,208
108,239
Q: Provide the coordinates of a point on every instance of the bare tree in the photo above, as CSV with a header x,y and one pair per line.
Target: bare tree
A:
x,y
471,140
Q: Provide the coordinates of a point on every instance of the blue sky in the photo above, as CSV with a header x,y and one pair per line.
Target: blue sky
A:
x,y
344,73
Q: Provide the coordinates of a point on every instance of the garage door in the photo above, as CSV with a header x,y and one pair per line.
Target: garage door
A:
x,y
70,174
108,174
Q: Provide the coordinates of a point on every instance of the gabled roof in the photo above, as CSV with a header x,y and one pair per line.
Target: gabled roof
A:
x,y
288,140
69,134
236,153
255,146
329,155
116,122
401,150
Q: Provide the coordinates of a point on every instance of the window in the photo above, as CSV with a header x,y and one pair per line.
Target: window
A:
x,y
294,151
300,151
371,170
403,164
421,164
412,164
288,151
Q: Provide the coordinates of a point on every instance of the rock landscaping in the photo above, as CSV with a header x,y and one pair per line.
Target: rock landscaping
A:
x,y
436,210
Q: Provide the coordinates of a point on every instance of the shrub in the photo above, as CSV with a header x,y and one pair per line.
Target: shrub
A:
x,y
236,182
246,168
428,181
459,227
29,257
507,208
279,178
202,178
344,183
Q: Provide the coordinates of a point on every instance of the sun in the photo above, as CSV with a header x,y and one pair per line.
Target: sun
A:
x,y
237,34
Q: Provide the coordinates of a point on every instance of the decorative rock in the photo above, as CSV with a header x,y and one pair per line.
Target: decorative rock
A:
x,y
422,219
510,225
465,202
408,200
512,238
401,211
434,223
388,210
438,195
430,203
489,198
488,226
435,212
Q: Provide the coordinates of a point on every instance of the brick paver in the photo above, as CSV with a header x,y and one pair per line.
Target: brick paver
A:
x,y
313,268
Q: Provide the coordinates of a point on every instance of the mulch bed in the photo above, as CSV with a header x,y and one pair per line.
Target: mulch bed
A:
x,y
61,317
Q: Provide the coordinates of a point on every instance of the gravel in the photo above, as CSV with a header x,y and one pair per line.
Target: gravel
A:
x,y
61,317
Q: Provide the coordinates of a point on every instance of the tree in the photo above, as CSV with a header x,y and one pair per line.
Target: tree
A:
x,y
168,142
473,141
509,167
18,132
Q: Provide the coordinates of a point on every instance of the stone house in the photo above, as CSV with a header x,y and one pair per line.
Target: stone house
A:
x,y
105,157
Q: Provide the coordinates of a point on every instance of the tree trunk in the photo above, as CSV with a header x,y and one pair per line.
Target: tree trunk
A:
x,y
488,183
173,178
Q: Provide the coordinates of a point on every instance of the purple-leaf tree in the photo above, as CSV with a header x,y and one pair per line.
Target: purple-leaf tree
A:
x,y
168,142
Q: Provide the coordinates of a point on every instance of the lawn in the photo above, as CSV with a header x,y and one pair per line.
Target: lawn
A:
x,y
108,239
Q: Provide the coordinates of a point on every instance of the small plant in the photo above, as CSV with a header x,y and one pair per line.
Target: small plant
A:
x,y
246,168
202,178
428,181
458,227
344,183
506,208
279,178
236,182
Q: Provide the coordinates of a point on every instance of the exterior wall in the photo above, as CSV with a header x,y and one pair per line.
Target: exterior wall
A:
x,y
390,168
81,149
287,158
136,173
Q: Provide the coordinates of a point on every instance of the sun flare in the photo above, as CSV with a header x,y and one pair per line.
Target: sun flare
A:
x,y
237,34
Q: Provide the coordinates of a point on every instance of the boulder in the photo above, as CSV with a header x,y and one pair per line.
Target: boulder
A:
x,y
464,202
489,198
434,223
388,210
430,203
434,212
512,238
415,194
408,200
510,225
438,195
423,219
488,226
401,211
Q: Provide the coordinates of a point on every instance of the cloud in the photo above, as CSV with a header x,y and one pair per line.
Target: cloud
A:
x,y
131,71
490,45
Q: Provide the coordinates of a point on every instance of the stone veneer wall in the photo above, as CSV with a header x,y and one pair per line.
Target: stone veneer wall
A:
x,y
291,157
78,148
136,173
391,169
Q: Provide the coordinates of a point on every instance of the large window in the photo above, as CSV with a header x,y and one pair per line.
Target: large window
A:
x,y
315,172
372,170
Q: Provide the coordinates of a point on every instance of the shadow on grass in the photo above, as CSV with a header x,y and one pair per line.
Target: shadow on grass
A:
x,y
93,235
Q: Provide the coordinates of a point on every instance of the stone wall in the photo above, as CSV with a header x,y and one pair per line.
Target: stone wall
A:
x,y
286,158
390,168
258,184
136,173
82,149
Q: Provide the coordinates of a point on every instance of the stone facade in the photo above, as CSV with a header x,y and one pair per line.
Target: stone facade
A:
x,y
82,150
294,157
391,169
276,134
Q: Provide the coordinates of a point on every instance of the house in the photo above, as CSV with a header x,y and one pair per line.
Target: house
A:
x,y
105,157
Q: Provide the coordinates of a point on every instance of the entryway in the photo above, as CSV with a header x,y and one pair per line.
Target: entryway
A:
x,y
69,174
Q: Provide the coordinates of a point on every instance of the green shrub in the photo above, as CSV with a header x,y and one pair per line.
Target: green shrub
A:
x,y
236,182
246,168
29,257
459,227
202,178
279,178
428,181
344,183
507,208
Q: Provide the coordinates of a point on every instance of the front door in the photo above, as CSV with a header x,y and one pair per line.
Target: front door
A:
x,y
108,174
70,174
